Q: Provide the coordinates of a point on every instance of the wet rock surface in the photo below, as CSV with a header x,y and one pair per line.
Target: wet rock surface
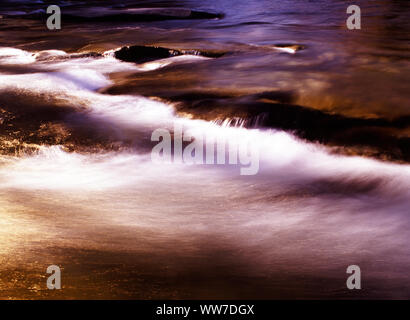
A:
x,y
372,137
28,121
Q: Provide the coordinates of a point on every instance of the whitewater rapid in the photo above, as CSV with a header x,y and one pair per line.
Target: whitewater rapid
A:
x,y
308,211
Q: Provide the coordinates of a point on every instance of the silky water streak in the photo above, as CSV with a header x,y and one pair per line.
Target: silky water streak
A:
x,y
209,144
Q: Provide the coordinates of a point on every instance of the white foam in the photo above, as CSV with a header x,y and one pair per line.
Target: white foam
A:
x,y
15,56
47,54
54,169
154,65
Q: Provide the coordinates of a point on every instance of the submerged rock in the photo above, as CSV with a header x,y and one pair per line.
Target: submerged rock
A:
x,y
141,14
101,14
375,137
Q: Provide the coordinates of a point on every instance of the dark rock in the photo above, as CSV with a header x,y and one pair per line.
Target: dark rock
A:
x,y
376,137
142,54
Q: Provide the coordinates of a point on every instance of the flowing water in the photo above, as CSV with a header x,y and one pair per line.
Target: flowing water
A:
x,y
326,109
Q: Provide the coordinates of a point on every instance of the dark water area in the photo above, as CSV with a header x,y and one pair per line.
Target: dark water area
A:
x,y
327,108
